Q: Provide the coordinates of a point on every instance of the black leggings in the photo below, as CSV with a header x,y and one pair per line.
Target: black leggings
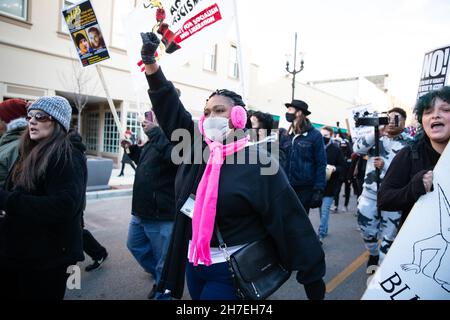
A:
x,y
92,247
123,166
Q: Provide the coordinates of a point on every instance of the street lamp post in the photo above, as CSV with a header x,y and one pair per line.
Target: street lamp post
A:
x,y
294,70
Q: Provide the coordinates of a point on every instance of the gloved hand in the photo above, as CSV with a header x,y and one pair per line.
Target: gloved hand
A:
x,y
315,290
316,199
150,43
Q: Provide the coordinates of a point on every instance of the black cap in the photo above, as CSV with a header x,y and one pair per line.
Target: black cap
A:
x,y
299,105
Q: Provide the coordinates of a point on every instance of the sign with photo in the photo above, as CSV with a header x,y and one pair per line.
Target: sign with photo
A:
x,y
86,33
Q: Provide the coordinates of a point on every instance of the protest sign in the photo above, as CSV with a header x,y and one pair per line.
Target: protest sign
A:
x,y
86,33
417,266
358,112
185,27
435,70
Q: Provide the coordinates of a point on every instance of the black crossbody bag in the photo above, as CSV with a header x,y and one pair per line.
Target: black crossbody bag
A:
x,y
256,269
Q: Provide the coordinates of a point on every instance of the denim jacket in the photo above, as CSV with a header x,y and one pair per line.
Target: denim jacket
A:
x,y
306,159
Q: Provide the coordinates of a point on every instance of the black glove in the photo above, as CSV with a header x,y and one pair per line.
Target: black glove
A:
x,y
315,290
150,43
316,199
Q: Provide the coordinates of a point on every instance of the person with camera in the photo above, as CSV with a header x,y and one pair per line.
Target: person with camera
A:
x,y
372,222
306,159
410,175
153,202
247,201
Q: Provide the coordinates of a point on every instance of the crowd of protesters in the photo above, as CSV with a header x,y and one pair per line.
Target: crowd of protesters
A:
x,y
43,177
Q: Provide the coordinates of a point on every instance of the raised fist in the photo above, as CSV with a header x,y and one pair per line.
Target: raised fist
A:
x,y
150,43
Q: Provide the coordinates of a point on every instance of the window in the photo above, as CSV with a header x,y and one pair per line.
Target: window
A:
x,y
233,65
209,62
110,134
15,8
66,4
121,8
133,124
91,125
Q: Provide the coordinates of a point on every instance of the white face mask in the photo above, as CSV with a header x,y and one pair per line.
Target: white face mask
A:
x,y
216,129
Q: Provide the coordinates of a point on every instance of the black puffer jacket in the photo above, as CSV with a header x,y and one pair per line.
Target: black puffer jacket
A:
x,y
42,229
153,189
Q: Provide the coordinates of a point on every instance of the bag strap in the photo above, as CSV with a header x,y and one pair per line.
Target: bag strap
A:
x,y
222,244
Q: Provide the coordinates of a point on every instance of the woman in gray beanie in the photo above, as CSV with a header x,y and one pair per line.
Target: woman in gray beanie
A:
x,y
40,232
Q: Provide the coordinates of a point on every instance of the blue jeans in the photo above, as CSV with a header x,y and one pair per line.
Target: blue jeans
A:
x,y
148,241
210,283
324,215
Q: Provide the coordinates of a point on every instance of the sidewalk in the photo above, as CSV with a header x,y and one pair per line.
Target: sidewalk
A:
x,y
120,186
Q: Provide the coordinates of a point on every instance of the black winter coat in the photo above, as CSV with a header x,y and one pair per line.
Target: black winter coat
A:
x,y
42,229
335,158
402,185
153,189
250,206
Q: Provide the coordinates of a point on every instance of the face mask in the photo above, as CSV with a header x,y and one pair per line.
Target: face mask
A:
x,y
326,140
290,117
216,129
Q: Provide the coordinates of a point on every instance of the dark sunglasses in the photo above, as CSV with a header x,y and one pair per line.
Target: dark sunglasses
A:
x,y
40,117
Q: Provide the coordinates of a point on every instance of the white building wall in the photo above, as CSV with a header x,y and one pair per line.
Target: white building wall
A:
x,y
325,108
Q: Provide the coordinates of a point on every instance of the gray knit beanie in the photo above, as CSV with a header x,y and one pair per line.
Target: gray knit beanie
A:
x,y
55,106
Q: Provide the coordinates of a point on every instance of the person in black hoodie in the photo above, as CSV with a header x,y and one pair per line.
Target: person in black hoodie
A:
x,y
335,171
246,202
153,202
411,172
40,234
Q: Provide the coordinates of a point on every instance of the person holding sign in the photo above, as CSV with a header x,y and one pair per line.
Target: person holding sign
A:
x,y
247,202
411,172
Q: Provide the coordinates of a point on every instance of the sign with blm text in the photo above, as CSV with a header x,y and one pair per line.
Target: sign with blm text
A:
x,y
417,266
86,33
435,70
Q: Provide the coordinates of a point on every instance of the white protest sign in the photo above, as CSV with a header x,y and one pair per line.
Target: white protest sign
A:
x,y
186,28
417,266
355,112
435,71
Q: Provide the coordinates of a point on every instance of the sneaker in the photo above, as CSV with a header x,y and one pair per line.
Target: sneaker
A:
x,y
96,264
372,264
151,295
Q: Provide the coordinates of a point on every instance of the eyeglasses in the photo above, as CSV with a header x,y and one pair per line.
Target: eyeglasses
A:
x,y
40,117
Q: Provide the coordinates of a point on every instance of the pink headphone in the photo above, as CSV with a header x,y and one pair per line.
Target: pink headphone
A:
x,y
238,119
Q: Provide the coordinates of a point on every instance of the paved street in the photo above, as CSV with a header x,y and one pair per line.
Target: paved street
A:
x,y
121,277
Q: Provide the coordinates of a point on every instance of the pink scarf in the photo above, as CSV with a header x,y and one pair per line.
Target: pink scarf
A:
x,y
206,200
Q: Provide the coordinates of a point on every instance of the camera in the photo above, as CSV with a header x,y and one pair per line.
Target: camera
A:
x,y
373,120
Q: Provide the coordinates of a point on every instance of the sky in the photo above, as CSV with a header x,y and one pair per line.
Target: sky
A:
x,y
346,38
